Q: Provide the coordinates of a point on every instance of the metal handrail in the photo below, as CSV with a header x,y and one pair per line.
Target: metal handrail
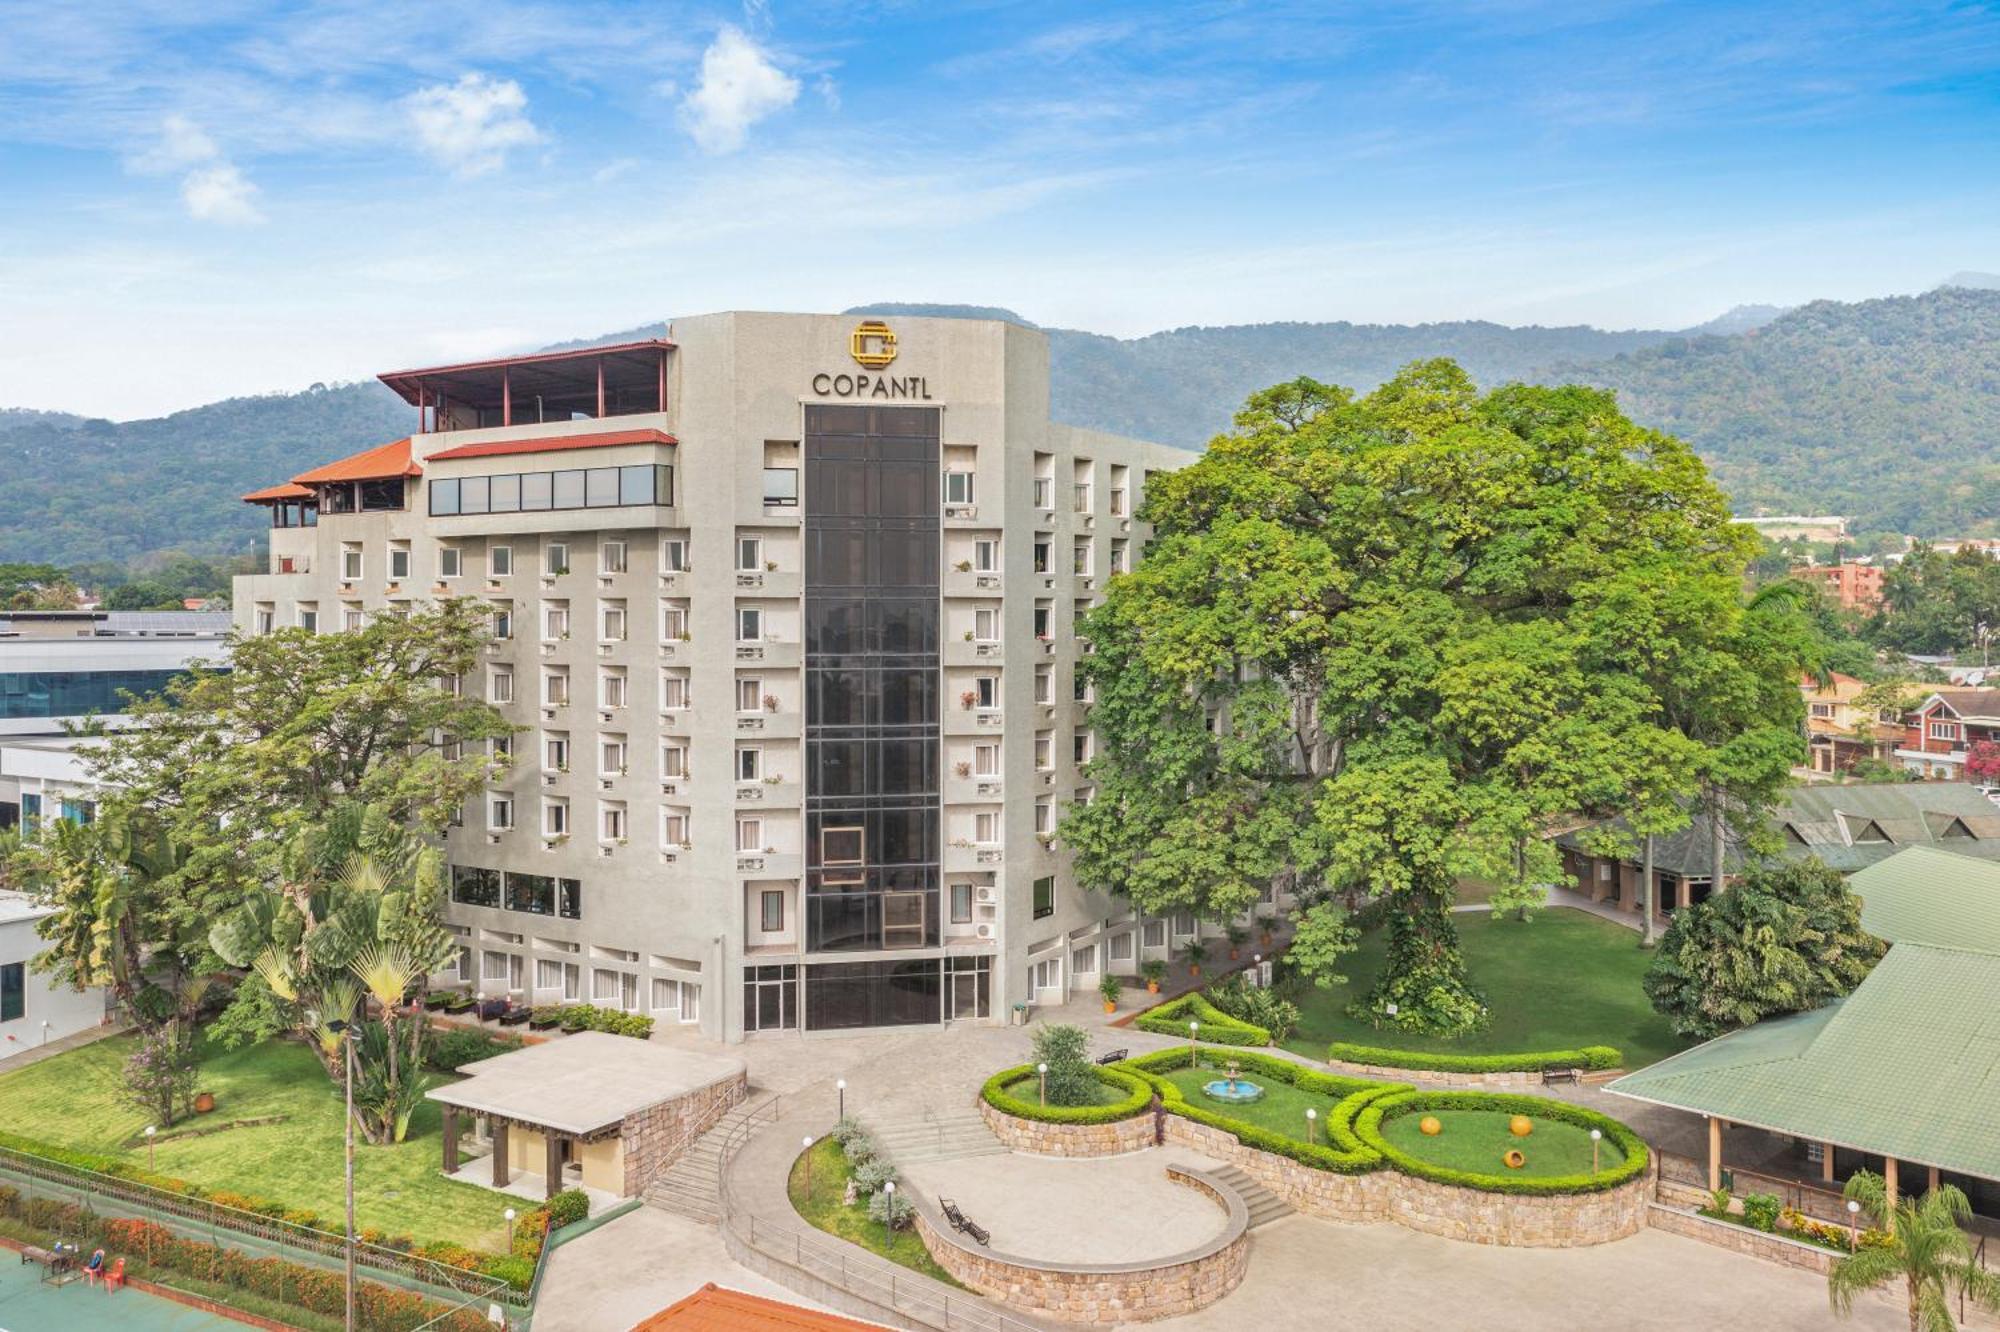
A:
x,y
268,1228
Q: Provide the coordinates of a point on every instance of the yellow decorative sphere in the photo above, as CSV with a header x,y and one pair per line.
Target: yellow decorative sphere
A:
x,y
1520,1126
1429,1126
1514,1159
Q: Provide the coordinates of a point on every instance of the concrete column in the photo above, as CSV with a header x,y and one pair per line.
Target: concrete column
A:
x,y
552,1162
1889,1193
499,1153
1681,897
1714,1153
1826,1162
451,1140
1933,1181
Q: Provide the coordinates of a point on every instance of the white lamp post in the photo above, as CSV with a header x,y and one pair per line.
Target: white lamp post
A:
x,y
510,1215
841,1087
1595,1136
1042,1072
889,1211
1312,1115
1193,1054
809,1164
1853,1225
151,1129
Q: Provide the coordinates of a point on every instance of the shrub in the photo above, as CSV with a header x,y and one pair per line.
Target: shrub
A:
x,y
589,1017
859,1149
1172,1018
869,1178
848,1127
1072,1078
567,1208
890,1209
1368,1128
517,1272
160,1074
451,1049
1138,1094
1256,1006
1760,1210
1589,1056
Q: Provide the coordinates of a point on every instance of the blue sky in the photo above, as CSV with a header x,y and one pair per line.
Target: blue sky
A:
x,y
212,199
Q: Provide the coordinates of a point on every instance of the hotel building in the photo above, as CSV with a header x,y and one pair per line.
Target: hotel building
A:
x,y
784,607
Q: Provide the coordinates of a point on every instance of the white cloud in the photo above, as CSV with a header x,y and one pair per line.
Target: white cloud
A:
x,y
219,192
213,188
473,124
739,86
829,91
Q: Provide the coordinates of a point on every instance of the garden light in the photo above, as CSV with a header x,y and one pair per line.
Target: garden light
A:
x,y
1311,1116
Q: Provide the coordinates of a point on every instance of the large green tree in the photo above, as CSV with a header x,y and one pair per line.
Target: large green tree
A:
x,y
1382,643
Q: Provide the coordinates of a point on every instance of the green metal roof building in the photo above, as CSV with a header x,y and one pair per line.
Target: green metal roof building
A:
x,y
1907,1068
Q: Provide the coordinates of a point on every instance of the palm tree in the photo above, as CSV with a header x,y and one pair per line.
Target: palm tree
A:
x,y
1924,1248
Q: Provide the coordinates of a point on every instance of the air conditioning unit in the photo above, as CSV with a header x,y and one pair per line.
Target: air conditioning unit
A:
x,y
986,893
983,931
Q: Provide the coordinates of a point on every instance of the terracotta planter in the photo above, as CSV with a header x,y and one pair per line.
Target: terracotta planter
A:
x,y
1110,1007
1194,969
1234,953
1152,987
204,1103
1267,938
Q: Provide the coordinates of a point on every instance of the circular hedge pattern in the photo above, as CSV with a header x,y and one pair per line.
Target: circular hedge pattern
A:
x,y
1368,1128
1138,1095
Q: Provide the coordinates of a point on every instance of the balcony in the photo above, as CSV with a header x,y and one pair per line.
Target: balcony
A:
x,y
768,725
769,653
970,583
963,652
972,859
972,721
768,794
769,865
769,583
973,790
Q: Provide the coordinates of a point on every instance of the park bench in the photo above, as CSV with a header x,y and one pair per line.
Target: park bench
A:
x,y
1551,1076
1113,1057
963,1224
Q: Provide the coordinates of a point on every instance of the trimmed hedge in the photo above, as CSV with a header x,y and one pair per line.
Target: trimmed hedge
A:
x,y
1589,1056
1138,1090
1344,1153
1368,1127
1171,1019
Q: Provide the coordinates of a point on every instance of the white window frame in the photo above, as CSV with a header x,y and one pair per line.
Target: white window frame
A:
x,y
986,624
613,688
451,562
499,561
612,623
749,835
749,554
613,557
749,624
673,762
351,563
957,487
555,556
499,811
500,685
674,691
674,555
673,622
985,555
555,817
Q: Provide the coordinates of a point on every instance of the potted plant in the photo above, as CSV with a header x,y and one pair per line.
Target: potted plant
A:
x,y
770,566
1154,971
1109,988
1196,953
1265,919
545,1017
963,566
770,702
963,768
1236,935
968,698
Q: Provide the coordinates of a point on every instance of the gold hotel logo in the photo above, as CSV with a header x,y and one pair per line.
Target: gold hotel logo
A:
x,y
872,344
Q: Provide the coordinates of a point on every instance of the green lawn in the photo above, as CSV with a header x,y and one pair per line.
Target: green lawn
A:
x,y
823,1207
1282,1109
1477,1140
75,1100
1102,1093
1564,979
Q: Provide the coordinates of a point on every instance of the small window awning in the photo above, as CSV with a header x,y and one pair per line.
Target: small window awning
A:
x,y
554,444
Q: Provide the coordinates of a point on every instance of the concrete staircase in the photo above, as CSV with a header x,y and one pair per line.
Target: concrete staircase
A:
x,y
689,1185
951,1136
1265,1206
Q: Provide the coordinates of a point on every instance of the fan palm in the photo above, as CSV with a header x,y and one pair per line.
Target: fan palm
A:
x,y
1925,1249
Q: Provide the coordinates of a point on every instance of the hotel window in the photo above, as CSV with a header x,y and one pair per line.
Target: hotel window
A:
x,y
555,688
612,756
1046,974
499,561
986,760
555,751
555,620
1118,555
611,822
749,763
611,688
673,762
1045,490
1082,496
673,691
674,556
1943,730
749,835
555,818
1045,820
842,857
353,619
499,813
1044,685
958,487
1079,689
1156,934
986,691
561,976
1120,948
1045,751
555,558
771,911
399,563
673,828
986,625
1118,501
618,989
781,485
673,622
503,624
1041,622
350,563
1083,961
985,828
961,904
309,619
985,556
450,564
501,746
1080,747
611,558
1822,710
1041,556
749,624
684,997
267,620
611,622
500,686
749,554
749,693
493,966
1079,559
1045,896
1183,924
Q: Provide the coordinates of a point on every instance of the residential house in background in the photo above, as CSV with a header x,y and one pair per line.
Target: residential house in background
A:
x,y
1798,527
1945,727
1851,586
1840,731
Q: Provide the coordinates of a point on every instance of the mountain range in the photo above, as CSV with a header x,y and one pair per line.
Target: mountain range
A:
x,y
1881,409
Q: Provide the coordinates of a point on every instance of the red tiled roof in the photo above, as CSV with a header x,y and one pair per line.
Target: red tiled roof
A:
x,y
385,460
716,1309
288,490
556,443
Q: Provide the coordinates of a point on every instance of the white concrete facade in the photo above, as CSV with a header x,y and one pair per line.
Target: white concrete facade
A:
x,y
657,664
34,1012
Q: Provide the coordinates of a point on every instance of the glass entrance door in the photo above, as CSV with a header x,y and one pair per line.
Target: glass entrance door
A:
x,y
770,998
965,996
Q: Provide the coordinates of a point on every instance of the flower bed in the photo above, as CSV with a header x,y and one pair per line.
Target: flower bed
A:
x,y
1171,1019
1368,1129
1589,1057
1138,1094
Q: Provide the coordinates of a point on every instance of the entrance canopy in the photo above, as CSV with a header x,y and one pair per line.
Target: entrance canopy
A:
x,y
584,1085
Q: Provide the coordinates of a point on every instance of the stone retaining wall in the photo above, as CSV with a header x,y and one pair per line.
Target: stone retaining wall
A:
x,y
1030,1135
1315,1192
1105,1293
1741,1239
1539,1221
655,1137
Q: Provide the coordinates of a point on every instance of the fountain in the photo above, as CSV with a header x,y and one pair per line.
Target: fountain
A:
x,y
1233,1089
